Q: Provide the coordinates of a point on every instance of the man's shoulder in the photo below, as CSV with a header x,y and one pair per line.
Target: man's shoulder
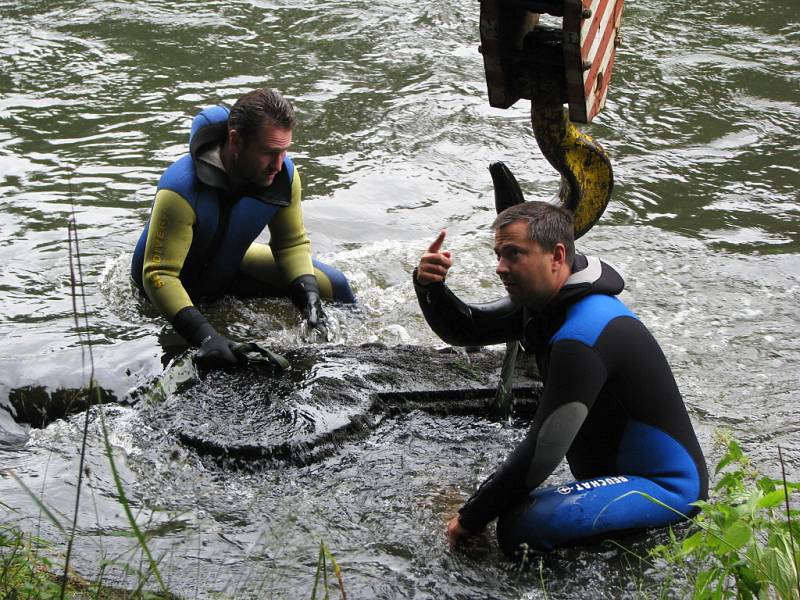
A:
x,y
180,176
291,168
587,317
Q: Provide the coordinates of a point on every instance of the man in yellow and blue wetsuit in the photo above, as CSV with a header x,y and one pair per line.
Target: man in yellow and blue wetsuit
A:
x,y
609,404
210,206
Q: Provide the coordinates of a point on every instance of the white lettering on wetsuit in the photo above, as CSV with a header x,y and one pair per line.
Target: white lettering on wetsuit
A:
x,y
581,486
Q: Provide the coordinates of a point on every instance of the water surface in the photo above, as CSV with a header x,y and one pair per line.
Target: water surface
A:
x,y
394,141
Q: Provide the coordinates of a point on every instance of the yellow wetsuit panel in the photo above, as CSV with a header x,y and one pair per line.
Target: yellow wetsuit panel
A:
x,y
259,264
288,239
168,240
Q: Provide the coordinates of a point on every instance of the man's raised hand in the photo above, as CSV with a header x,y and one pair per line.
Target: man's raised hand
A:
x,y
435,262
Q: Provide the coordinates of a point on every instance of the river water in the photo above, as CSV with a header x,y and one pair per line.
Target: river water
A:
x,y
394,140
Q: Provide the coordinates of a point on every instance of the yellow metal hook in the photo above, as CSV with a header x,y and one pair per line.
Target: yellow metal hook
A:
x,y
525,57
586,175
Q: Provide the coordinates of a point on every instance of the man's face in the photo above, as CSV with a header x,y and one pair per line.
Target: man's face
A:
x,y
527,272
260,160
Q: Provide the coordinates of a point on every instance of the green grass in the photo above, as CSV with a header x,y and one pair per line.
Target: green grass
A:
x,y
25,569
32,569
323,559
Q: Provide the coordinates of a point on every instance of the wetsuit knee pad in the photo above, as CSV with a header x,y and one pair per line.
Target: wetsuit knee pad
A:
x,y
333,284
591,510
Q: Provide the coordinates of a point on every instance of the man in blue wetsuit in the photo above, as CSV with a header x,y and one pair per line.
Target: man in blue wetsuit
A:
x,y
210,206
609,402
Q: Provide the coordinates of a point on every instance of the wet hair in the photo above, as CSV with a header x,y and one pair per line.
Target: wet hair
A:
x,y
260,107
547,225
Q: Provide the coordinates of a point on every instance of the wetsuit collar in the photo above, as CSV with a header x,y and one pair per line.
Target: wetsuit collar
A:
x,y
590,275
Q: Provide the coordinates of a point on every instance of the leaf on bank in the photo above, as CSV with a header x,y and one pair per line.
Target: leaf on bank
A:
x,y
691,543
772,499
737,535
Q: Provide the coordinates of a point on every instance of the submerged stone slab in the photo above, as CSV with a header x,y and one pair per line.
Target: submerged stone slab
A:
x,y
37,405
329,394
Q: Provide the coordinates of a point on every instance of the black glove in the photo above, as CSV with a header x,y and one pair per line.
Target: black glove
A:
x,y
304,293
215,349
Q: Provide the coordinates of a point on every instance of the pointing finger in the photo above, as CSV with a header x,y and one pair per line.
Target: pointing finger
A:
x,y
437,243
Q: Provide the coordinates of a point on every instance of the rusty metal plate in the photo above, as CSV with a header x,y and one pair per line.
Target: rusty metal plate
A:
x,y
591,37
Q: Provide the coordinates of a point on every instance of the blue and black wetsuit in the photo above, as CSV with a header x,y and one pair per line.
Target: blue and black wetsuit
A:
x,y
609,404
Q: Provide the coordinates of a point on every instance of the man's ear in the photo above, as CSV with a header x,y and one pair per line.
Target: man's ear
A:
x,y
559,255
234,140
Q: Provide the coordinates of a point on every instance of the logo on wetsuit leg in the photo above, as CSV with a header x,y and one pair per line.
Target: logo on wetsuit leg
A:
x,y
581,486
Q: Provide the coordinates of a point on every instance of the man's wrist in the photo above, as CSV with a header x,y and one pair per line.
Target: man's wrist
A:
x,y
468,527
303,289
190,324
418,283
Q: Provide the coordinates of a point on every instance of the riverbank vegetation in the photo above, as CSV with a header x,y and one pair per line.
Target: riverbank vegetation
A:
x,y
29,570
745,542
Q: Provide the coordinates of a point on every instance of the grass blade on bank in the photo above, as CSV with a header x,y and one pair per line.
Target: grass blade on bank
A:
x,y
323,558
123,500
789,521
77,288
42,506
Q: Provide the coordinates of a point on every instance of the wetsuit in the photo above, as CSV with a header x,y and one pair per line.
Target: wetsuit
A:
x,y
609,404
199,241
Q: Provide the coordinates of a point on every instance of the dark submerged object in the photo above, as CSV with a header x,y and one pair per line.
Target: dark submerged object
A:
x,y
259,411
330,395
